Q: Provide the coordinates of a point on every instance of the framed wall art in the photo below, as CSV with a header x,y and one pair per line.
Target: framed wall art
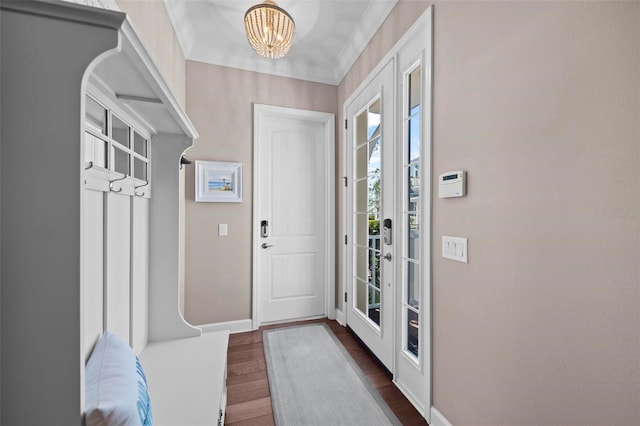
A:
x,y
218,182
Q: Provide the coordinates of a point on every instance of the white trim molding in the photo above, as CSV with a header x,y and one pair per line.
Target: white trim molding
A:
x,y
438,419
374,16
179,17
233,327
340,317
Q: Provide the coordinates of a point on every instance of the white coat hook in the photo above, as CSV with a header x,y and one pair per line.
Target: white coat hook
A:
x,y
116,180
135,190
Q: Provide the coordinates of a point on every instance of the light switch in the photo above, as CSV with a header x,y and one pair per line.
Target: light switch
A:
x,y
223,230
454,248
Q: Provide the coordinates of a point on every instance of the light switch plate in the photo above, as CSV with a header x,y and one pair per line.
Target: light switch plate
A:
x,y
223,231
454,248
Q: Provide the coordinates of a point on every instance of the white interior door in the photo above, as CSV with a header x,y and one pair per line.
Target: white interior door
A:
x,y
369,206
293,236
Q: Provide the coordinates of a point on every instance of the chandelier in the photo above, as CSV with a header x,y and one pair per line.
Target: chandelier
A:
x,y
269,29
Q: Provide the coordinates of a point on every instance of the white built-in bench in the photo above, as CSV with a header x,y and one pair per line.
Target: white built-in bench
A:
x,y
187,379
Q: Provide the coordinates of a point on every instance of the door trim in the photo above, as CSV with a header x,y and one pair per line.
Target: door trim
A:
x,y
260,113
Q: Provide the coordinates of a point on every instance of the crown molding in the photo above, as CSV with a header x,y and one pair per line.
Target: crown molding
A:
x,y
179,17
372,20
283,67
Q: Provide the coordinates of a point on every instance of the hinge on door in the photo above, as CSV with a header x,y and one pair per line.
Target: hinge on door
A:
x,y
345,297
345,124
345,181
345,240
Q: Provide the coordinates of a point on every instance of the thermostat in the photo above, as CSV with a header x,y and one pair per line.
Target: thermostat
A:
x,y
452,184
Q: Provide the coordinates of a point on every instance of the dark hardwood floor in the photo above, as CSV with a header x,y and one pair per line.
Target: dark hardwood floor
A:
x,y
248,396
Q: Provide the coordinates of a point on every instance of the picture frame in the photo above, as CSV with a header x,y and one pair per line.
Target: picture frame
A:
x,y
218,182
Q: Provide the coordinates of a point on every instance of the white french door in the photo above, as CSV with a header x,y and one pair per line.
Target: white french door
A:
x,y
388,170
293,214
413,362
371,215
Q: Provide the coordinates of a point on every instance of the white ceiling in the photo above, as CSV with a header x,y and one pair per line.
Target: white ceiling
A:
x,y
329,35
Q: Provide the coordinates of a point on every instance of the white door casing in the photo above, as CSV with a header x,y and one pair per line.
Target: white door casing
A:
x,y
293,183
362,249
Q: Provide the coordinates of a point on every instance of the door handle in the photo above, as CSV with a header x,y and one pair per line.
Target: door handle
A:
x,y
265,245
387,256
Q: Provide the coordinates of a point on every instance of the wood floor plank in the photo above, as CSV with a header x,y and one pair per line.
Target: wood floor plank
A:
x,y
391,394
247,354
247,391
244,347
257,421
248,395
245,338
245,367
378,378
248,410
249,377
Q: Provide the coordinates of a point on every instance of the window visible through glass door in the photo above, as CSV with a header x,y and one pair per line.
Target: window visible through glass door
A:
x,y
366,214
412,203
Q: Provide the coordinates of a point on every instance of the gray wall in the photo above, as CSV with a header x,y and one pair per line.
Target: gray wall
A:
x,y
540,103
40,174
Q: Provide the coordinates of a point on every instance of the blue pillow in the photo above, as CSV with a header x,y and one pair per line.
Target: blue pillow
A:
x,y
116,391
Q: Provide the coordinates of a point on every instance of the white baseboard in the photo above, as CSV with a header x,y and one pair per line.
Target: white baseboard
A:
x,y
332,314
239,326
340,317
438,419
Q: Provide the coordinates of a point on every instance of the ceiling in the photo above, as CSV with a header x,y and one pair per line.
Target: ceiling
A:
x,y
329,35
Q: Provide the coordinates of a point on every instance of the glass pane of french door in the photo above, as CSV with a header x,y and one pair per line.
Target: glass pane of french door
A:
x,y
367,144
412,213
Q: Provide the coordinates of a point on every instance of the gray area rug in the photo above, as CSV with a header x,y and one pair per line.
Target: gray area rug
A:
x,y
315,382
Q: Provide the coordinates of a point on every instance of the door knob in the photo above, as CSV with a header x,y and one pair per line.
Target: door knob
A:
x,y
265,245
388,256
